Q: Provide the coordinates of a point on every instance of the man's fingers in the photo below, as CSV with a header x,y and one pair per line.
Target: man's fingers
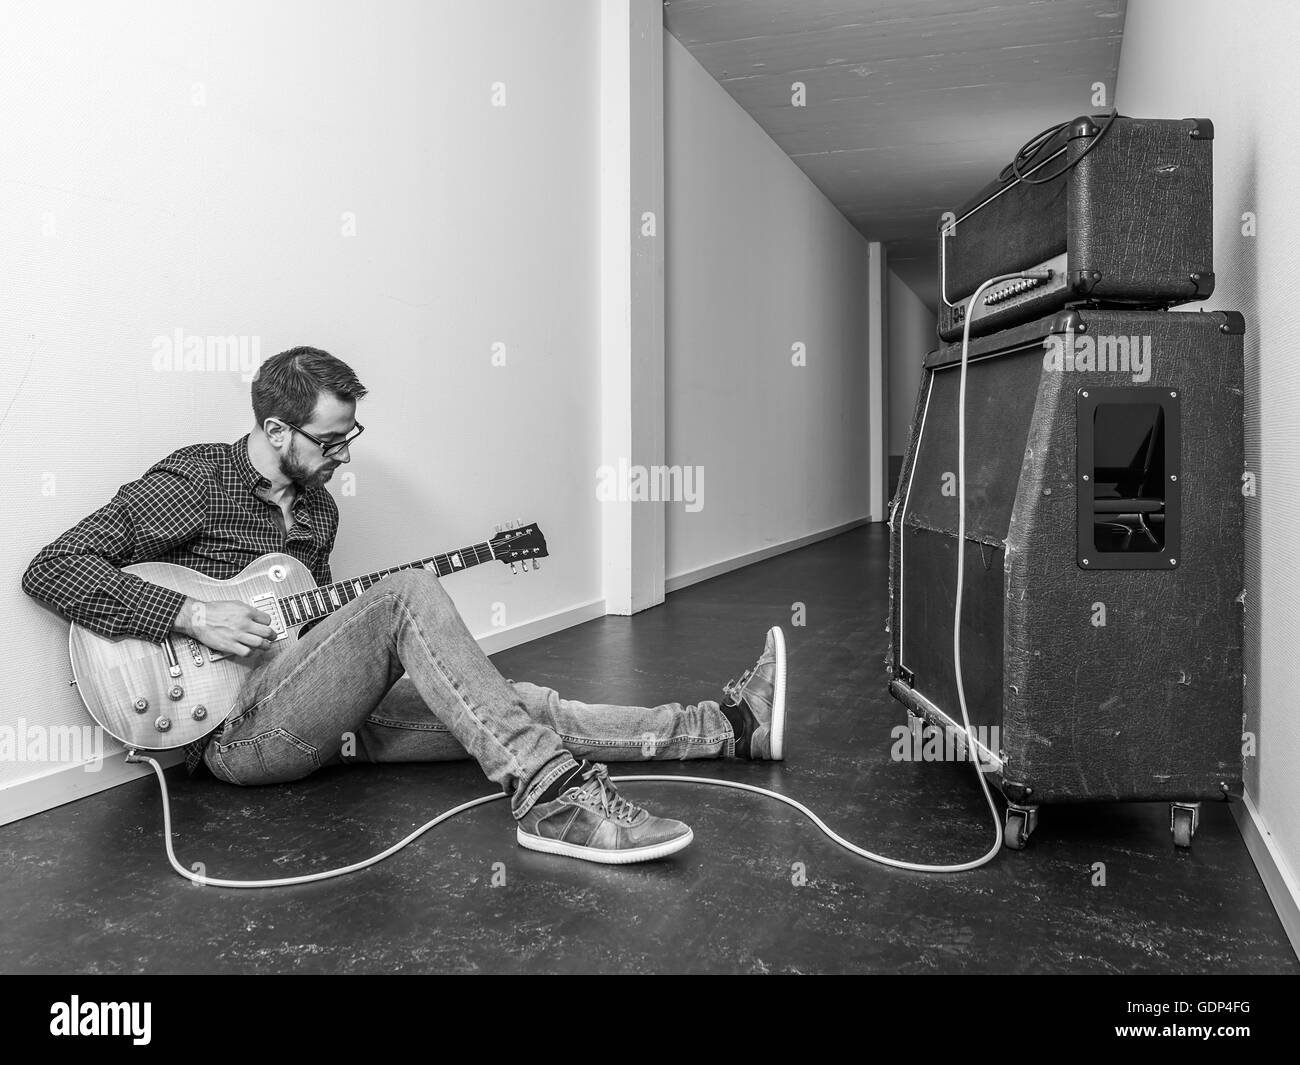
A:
x,y
252,639
265,631
260,617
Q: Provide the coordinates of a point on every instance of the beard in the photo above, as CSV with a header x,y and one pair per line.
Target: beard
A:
x,y
302,477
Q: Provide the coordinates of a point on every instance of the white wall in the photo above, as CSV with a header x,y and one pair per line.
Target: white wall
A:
x,y
911,336
1236,66
188,165
756,259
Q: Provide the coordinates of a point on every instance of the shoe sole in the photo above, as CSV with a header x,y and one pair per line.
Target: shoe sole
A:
x,y
776,731
593,854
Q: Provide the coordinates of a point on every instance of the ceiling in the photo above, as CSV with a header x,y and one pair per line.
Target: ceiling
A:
x,y
911,105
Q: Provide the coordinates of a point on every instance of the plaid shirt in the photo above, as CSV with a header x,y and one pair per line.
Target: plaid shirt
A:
x,y
197,508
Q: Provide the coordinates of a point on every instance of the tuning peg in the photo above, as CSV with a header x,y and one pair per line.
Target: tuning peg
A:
x,y
513,569
537,564
519,523
524,565
496,529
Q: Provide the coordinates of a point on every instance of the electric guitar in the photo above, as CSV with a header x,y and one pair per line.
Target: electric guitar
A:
x,y
160,696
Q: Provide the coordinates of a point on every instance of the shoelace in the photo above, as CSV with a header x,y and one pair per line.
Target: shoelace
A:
x,y
733,688
612,804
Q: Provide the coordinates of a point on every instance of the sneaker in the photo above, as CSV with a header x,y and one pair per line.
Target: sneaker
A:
x,y
761,690
592,820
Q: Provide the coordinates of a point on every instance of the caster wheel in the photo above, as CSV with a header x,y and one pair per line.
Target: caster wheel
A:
x,y
1021,820
1183,818
1016,834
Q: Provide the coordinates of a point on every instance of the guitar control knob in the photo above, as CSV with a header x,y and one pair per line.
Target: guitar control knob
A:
x,y
163,724
141,705
175,691
199,712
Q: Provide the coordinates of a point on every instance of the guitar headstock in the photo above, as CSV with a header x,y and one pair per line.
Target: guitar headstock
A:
x,y
518,543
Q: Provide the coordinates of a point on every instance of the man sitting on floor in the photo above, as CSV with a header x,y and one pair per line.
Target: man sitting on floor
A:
x,y
393,676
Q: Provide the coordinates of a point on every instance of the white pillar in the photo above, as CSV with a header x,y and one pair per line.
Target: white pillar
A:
x,y
632,294
878,379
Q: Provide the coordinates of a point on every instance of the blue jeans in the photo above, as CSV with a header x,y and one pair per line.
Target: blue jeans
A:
x,y
395,676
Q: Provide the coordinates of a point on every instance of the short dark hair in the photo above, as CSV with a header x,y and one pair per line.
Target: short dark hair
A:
x,y
289,385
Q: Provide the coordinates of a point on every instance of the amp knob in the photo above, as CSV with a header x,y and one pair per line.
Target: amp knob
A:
x,y
175,691
141,705
163,724
199,712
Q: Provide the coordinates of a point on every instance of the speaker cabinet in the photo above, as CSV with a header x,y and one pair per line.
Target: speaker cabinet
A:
x,y
1102,624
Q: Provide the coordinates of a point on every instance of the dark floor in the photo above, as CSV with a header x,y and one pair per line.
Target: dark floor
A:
x,y
86,888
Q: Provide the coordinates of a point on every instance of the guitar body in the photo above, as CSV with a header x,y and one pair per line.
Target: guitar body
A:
x,y
157,696
113,675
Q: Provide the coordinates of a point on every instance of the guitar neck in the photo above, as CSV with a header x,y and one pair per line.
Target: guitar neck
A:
x,y
320,602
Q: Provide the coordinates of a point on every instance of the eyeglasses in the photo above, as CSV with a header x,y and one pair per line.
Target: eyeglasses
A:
x,y
328,448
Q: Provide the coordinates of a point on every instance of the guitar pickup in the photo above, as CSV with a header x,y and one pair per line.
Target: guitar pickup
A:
x,y
267,605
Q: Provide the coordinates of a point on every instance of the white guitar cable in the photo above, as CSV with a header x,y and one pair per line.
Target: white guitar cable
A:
x,y
198,878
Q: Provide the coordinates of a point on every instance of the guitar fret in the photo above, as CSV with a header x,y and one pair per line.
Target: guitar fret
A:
x,y
293,607
335,597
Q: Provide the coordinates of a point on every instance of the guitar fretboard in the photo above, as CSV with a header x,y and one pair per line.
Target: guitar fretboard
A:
x,y
319,602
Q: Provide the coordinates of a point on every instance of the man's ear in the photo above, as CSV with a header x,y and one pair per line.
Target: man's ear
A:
x,y
276,431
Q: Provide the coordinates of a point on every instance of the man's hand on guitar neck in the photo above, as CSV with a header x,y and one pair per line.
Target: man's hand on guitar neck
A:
x,y
232,627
